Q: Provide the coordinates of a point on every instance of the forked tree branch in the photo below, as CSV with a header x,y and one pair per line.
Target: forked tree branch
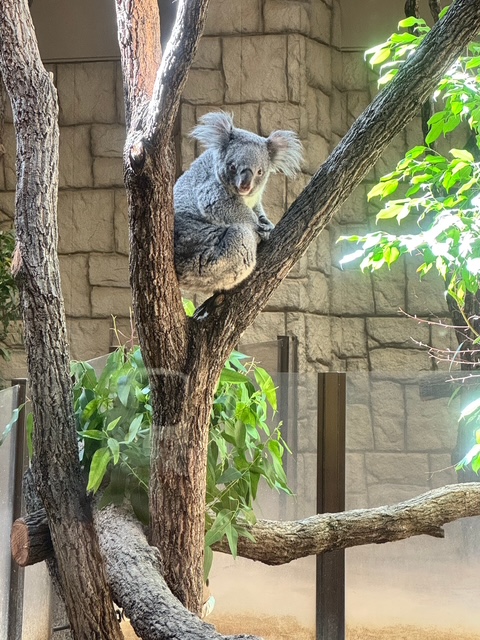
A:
x,y
366,140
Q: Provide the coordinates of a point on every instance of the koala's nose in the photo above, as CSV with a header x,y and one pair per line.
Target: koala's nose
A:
x,y
246,177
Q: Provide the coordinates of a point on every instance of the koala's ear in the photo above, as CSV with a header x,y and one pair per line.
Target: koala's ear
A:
x,y
215,130
286,152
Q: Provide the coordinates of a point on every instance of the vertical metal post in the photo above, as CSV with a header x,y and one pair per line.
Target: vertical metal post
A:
x,y
20,464
287,406
330,583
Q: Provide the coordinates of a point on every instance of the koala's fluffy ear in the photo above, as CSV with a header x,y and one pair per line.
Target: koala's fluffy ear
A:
x,y
286,152
215,130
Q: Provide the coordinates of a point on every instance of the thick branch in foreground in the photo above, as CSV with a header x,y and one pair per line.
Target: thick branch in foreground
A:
x,y
138,587
281,542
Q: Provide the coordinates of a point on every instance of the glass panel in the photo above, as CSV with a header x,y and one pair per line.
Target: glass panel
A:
x,y
402,440
276,602
8,399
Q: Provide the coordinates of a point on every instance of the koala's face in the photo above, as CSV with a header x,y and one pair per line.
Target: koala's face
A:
x,y
244,165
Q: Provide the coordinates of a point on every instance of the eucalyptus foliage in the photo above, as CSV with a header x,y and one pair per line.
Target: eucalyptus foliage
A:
x,y
114,420
436,194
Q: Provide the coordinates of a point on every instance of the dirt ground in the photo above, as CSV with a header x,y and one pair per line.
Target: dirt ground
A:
x,y
288,628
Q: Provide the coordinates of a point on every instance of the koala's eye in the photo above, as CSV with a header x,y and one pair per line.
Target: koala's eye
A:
x,y
232,167
260,172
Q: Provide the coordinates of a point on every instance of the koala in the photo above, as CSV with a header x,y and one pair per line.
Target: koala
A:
x,y
219,217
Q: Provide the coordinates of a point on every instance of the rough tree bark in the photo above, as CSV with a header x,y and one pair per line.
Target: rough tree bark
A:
x,y
184,356
61,487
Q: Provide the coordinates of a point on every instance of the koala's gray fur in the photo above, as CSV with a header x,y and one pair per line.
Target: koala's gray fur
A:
x,y
219,218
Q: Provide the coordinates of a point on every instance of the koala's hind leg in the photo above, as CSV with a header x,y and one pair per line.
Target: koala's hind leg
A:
x,y
219,259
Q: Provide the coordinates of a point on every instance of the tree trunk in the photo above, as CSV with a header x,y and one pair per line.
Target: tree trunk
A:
x,y
55,463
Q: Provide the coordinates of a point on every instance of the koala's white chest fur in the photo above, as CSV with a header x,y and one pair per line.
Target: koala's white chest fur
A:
x,y
252,200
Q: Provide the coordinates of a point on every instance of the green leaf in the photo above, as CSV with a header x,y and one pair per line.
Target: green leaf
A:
x,y
207,563
98,468
380,56
228,376
462,154
134,427
267,386
219,527
114,447
111,425
230,475
188,307
232,537
92,434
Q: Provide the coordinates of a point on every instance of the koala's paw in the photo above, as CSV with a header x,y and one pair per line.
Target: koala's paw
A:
x,y
264,227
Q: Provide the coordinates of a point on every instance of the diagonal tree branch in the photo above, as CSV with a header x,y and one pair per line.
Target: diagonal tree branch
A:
x,y
226,318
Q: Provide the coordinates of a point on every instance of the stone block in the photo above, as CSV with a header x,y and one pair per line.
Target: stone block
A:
x,y
188,118
14,338
354,210
204,87
296,69
306,431
403,332
300,270
397,468
229,17
336,24
188,151
426,296
388,414
349,338
279,115
111,301
284,16
295,326
108,270
87,92
414,133
357,364
354,72
359,434
85,220
320,21
296,186
318,338
122,242
75,287
107,172
89,338
119,97
389,494
355,475
442,471
318,112
245,116
357,102
338,110
319,65
75,165
16,367
318,293
209,54
254,68
317,150
9,159
266,328
389,287
356,501
350,293
318,253
291,295
431,424
307,484
7,204
108,140
407,362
